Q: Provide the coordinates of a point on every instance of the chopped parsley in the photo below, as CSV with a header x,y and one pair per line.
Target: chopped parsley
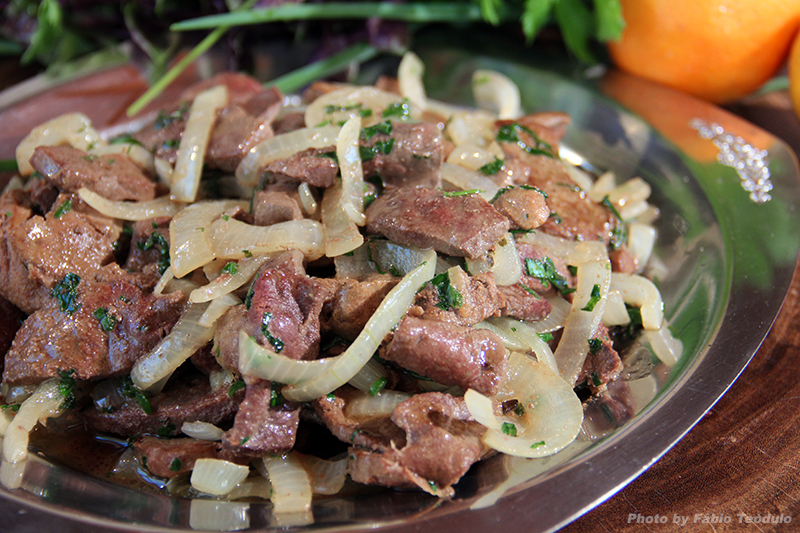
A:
x,y
329,155
164,120
107,321
230,268
528,290
66,293
490,169
125,138
519,410
449,297
619,234
595,345
363,112
166,431
157,239
248,299
377,386
537,444
509,429
235,387
455,194
401,110
532,188
129,390
176,465
384,127
510,133
244,440
170,144
546,337
66,387
275,397
276,343
594,298
11,407
545,271
381,147
247,253
596,379
64,208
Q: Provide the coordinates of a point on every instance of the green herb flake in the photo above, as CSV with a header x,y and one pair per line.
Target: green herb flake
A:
x,y
510,133
532,188
11,407
490,169
157,239
528,290
129,390
226,217
384,127
400,110
66,387
125,138
164,120
546,337
545,271
247,253
235,387
593,299
107,321
275,397
377,386
449,297
64,208
277,344
166,431
455,194
66,293
509,429
176,465
244,440
537,444
231,268
519,410
596,379
595,345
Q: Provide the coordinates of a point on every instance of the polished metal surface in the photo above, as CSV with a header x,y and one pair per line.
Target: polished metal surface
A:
x,y
728,263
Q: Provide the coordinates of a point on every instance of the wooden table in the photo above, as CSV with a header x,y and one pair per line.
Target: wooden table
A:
x,y
740,463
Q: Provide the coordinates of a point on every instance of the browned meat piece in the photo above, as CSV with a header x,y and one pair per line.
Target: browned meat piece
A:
x,y
601,366
277,202
464,226
611,409
535,258
353,303
574,215
37,252
163,135
205,361
241,127
622,260
318,88
42,194
479,299
185,400
388,84
96,329
285,307
410,156
526,208
171,457
263,423
226,338
311,166
520,303
149,245
375,433
289,122
442,442
10,321
112,176
449,354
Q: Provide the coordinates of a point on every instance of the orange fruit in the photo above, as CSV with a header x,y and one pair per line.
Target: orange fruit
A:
x,y
718,50
794,74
